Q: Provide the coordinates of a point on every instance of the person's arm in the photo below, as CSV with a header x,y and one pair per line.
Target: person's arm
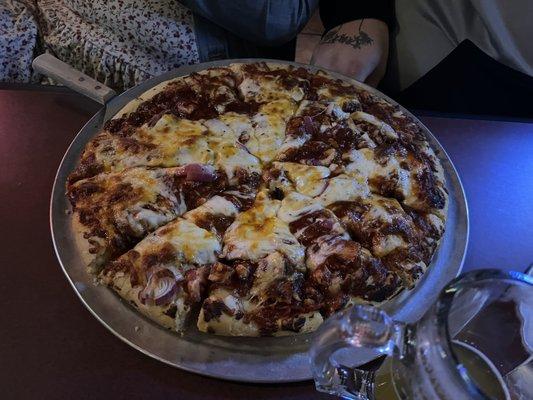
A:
x,y
356,42
263,22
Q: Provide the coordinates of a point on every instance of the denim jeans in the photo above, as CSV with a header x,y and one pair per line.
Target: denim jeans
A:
x,y
248,28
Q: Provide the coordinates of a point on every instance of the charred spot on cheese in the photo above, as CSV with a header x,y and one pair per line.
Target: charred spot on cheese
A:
x,y
248,179
311,226
343,266
214,308
408,263
87,167
163,254
83,191
428,190
312,153
235,275
171,311
215,223
195,192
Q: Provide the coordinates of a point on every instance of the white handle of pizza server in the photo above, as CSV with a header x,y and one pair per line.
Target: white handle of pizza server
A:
x,y
61,72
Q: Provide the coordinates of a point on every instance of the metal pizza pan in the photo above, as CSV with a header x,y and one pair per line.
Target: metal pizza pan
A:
x,y
259,360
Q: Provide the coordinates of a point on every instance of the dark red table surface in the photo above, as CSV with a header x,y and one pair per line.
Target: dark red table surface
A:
x,y
51,347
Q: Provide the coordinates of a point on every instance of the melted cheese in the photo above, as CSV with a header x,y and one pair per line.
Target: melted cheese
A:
x,y
384,128
192,245
364,166
335,110
132,213
258,232
178,126
219,128
387,244
270,268
308,180
325,246
383,212
249,88
282,108
343,188
362,163
225,324
177,141
231,157
264,89
267,137
239,123
294,205
216,205
293,142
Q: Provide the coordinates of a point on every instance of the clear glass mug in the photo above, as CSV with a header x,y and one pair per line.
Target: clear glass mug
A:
x,y
475,342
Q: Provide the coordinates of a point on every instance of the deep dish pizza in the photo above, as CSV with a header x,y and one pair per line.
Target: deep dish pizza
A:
x,y
257,199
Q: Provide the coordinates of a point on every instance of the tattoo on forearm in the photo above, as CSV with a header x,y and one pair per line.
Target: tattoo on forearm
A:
x,y
360,39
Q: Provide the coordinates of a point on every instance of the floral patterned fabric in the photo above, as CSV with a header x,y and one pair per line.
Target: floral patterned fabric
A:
x,y
118,42
18,37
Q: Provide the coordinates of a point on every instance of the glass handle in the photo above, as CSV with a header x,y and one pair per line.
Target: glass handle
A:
x,y
349,348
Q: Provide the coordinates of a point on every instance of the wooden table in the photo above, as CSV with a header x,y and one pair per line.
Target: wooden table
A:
x,y
50,345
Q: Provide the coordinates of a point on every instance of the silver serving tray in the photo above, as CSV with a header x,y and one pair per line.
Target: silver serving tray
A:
x,y
260,360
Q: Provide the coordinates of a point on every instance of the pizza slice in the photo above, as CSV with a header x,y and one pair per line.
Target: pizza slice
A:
x,y
341,272
215,215
308,219
381,225
256,289
325,88
258,298
404,173
282,178
319,134
258,232
114,211
165,274
262,82
200,95
406,127
261,133
168,142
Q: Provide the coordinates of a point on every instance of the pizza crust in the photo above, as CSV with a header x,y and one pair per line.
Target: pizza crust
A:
x,y
228,326
91,260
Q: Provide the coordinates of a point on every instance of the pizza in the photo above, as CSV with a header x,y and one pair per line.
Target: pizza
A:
x,y
257,200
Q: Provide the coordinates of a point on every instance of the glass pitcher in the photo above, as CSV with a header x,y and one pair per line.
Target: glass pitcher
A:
x,y
475,342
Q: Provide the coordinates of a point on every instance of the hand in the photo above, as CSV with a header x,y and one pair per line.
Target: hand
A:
x,y
358,49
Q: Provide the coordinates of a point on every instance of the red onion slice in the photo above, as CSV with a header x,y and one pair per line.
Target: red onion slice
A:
x,y
309,126
200,173
160,289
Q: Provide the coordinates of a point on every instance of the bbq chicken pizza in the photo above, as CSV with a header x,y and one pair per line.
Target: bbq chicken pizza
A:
x,y
257,199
